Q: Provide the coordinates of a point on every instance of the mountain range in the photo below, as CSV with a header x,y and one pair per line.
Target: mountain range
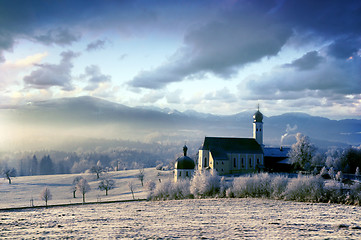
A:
x,y
67,119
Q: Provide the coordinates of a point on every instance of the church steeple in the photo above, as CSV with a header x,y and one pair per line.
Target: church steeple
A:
x,y
258,127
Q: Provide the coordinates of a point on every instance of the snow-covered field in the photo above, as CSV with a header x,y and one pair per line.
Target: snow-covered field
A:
x,y
23,189
186,219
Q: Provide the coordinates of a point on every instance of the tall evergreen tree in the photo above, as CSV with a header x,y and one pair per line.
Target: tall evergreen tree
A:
x,y
46,166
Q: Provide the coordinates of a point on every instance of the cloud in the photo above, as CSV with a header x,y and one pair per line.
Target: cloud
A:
x,y
49,75
95,45
331,78
219,47
344,48
59,36
223,95
94,77
308,61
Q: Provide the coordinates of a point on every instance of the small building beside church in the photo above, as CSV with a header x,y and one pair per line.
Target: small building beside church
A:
x,y
234,155
184,166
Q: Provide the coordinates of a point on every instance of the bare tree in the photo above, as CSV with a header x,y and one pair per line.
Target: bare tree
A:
x,y
75,182
141,176
46,195
132,188
9,173
106,184
83,187
97,169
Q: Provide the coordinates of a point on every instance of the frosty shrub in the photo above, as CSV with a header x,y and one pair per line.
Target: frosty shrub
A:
x,y
331,172
305,189
278,186
333,192
354,194
205,184
260,185
339,176
168,189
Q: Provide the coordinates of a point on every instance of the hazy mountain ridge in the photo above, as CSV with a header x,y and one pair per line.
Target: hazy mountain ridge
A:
x,y
111,120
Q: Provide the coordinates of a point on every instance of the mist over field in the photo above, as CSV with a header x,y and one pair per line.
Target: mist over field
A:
x,y
71,124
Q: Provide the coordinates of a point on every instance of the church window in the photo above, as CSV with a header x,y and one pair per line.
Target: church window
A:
x,y
186,173
234,162
242,162
257,160
250,162
205,162
180,174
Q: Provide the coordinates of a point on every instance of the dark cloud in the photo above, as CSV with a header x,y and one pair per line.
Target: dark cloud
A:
x,y
59,36
49,75
247,31
344,48
98,44
334,77
220,48
94,77
308,61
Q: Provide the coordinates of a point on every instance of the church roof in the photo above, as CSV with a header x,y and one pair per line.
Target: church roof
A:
x,y
219,147
258,116
184,162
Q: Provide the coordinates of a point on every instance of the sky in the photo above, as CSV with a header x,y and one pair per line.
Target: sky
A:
x,y
219,57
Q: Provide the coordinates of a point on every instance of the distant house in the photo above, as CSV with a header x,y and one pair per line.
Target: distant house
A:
x,y
276,159
242,155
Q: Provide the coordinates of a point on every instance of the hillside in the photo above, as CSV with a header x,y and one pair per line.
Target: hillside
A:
x,y
23,189
71,122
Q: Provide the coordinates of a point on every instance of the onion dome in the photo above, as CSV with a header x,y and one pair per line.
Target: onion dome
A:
x,y
258,116
184,162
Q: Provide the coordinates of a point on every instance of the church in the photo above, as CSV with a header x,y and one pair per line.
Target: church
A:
x,y
234,155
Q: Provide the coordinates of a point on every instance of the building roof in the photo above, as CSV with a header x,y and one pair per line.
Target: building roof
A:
x,y
184,162
276,152
258,116
219,147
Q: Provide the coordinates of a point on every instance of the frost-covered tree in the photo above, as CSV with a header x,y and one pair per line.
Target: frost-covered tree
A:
x,y
83,187
357,173
141,176
205,183
131,188
9,173
34,166
45,195
46,166
339,176
75,183
97,169
302,152
106,184
332,173
324,172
